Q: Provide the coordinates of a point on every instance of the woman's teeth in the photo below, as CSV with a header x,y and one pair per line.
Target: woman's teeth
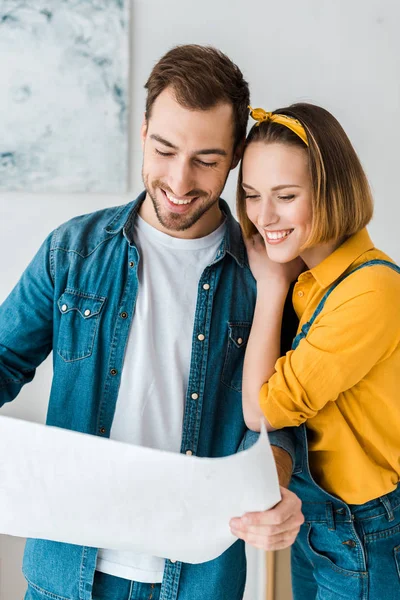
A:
x,y
176,200
278,235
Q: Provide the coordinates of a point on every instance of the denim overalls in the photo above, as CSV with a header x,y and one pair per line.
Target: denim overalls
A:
x,y
343,551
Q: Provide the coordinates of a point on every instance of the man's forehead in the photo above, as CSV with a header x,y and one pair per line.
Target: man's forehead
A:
x,y
198,128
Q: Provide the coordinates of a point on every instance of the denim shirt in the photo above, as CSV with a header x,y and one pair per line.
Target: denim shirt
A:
x,y
77,299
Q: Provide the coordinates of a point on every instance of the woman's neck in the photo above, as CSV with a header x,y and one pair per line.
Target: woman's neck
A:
x,y
316,254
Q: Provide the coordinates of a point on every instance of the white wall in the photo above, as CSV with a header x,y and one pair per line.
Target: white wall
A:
x,y
342,54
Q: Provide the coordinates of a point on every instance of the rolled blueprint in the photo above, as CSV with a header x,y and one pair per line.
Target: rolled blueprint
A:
x,y
71,487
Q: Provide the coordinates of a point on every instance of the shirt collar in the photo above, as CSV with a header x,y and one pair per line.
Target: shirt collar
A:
x,y
233,240
232,243
342,258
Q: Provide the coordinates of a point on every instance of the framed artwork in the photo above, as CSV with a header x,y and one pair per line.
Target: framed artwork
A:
x,y
64,72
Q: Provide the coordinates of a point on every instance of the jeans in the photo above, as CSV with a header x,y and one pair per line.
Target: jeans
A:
x,y
344,552
107,587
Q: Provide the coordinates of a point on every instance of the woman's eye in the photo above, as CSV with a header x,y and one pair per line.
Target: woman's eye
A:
x,y
287,198
251,197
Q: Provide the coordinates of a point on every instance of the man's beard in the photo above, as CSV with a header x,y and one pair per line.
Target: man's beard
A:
x,y
174,221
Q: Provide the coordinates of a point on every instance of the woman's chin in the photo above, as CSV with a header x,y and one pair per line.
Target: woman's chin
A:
x,y
280,255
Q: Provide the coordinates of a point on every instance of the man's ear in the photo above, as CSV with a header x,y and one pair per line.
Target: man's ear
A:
x,y
238,153
143,130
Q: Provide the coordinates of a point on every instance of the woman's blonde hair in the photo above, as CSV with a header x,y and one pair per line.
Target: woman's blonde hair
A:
x,y
342,201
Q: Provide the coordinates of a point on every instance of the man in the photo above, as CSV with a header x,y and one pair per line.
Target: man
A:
x,y
147,308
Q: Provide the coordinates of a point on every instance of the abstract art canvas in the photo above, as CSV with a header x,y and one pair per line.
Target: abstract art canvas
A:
x,y
64,71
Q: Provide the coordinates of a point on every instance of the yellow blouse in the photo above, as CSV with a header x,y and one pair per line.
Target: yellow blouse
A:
x,y
344,377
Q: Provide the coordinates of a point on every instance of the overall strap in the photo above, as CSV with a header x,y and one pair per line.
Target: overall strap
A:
x,y
306,327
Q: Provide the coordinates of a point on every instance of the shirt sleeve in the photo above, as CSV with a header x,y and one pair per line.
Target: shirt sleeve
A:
x,y
26,325
358,327
283,438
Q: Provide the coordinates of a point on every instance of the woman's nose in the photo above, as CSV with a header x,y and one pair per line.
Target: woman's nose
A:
x,y
267,215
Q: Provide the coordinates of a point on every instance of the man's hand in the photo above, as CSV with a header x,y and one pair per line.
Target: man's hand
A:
x,y
273,529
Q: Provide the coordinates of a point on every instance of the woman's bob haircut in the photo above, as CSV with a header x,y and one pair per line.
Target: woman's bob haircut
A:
x,y
341,199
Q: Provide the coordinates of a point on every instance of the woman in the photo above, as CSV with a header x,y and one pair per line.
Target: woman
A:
x,y
304,202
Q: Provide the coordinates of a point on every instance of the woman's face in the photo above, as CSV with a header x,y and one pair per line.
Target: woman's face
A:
x,y
277,186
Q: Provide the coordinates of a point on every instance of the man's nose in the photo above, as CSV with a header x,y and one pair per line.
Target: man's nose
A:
x,y
181,178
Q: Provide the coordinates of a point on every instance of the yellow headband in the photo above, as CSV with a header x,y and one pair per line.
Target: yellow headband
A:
x,y
260,115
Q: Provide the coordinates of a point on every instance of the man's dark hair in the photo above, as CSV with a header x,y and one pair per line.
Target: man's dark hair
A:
x,y
201,77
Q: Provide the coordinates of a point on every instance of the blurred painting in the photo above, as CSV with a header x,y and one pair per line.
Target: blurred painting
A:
x,y
64,69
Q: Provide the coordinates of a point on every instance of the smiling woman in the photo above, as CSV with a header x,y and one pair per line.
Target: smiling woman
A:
x,y
337,187
304,202
280,210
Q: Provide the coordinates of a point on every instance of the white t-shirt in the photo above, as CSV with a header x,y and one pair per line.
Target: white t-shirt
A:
x,y
155,375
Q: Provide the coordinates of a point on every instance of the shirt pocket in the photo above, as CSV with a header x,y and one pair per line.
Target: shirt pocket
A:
x,y
232,372
80,314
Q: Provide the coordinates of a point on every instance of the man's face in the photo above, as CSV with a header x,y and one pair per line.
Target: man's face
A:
x,y
187,158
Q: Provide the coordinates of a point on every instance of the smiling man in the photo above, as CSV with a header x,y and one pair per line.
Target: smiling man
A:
x,y
148,309
187,157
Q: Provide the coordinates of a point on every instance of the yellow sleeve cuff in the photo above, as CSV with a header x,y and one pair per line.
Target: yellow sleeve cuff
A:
x,y
276,415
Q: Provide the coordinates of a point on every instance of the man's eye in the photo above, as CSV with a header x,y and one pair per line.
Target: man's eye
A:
x,y
163,153
206,164
287,198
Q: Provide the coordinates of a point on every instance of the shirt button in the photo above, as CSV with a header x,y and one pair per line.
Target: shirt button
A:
x,y
64,307
87,312
171,560
300,294
189,452
206,286
239,341
195,396
201,337
131,264
102,430
124,315
113,372
350,543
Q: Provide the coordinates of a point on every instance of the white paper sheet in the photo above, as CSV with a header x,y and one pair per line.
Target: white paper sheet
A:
x,y
71,487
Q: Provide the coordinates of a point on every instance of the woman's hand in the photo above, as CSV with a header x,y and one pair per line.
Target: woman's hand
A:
x,y
264,269
263,346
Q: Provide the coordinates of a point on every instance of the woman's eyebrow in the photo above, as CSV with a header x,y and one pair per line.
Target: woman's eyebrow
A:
x,y
250,187
284,185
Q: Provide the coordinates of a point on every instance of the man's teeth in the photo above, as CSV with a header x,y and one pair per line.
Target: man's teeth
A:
x,y
277,235
177,201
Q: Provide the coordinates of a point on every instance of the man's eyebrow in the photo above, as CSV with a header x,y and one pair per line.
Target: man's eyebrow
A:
x,y
218,151
165,142
160,139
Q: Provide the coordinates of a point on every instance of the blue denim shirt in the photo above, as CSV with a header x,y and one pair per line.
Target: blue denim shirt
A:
x,y
77,298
